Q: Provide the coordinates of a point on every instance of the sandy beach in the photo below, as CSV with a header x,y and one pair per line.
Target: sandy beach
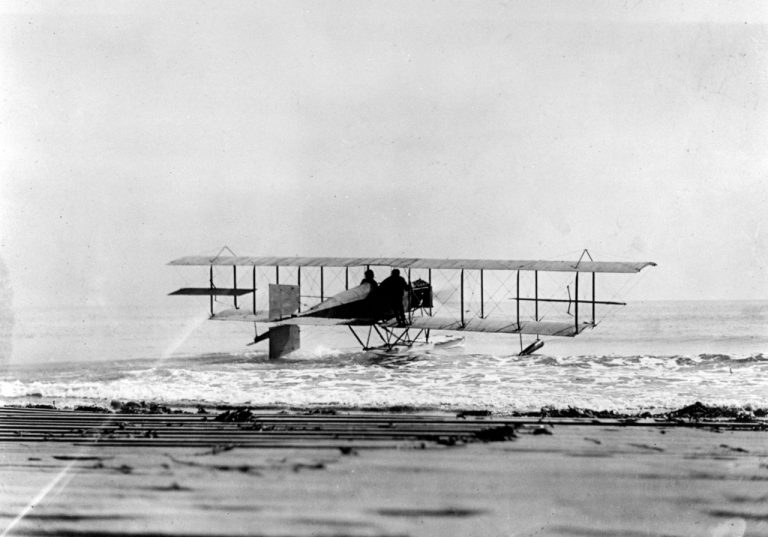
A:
x,y
378,474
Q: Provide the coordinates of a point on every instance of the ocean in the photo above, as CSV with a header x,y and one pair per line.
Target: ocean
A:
x,y
651,356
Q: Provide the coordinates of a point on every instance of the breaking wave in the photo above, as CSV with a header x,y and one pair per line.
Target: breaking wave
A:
x,y
434,379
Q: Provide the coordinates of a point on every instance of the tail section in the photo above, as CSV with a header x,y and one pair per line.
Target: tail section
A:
x,y
283,301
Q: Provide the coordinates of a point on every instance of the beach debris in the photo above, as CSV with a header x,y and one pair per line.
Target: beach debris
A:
x,y
648,447
298,466
734,449
552,425
92,408
201,410
174,486
243,468
457,512
322,411
698,411
255,426
347,450
464,414
155,408
570,412
151,433
131,407
218,448
593,440
447,440
79,458
575,412
501,433
123,468
239,415
541,430
745,417
401,408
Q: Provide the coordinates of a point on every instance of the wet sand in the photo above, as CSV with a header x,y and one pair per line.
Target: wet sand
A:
x,y
378,474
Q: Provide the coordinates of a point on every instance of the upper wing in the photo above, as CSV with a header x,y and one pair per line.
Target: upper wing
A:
x,y
410,262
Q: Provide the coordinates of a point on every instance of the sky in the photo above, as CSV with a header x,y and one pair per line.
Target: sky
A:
x,y
132,133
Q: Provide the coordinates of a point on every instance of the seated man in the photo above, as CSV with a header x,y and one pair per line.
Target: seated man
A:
x,y
371,300
392,291
369,280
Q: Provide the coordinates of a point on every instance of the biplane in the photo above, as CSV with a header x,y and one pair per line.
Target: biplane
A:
x,y
372,321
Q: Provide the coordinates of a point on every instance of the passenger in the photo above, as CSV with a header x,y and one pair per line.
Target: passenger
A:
x,y
369,280
393,290
371,299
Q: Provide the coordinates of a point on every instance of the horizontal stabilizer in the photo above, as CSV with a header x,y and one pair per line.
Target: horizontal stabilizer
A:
x,y
241,315
207,291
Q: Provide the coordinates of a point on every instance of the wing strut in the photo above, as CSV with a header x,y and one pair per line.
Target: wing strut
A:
x,y
517,299
429,278
482,308
298,282
576,305
210,277
234,284
462,298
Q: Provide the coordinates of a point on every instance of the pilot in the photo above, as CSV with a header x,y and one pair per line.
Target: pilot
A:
x,y
392,290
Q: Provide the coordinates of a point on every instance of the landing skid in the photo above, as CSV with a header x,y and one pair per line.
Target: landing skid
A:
x,y
389,337
393,338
